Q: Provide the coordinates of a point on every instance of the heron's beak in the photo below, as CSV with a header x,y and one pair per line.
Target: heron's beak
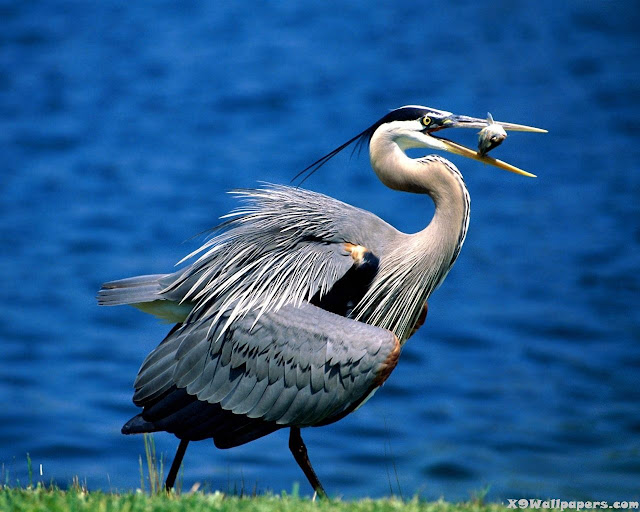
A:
x,y
459,149
455,121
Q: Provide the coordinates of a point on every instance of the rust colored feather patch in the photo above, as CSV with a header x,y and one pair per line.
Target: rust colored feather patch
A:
x,y
357,252
389,363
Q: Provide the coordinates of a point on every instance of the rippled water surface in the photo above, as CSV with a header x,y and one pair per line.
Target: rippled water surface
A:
x,y
123,124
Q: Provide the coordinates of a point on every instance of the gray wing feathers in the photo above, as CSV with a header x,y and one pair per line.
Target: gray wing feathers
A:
x,y
147,294
297,366
156,373
131,290
281,247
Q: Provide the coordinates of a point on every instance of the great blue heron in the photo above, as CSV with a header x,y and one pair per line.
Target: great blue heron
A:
x,y
296,311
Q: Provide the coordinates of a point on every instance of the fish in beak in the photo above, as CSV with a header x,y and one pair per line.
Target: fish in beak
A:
x,y
492,133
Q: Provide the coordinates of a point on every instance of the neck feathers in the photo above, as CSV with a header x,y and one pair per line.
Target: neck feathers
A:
x,y
418,263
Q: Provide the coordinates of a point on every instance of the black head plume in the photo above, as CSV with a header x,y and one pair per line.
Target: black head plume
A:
x,y
408,113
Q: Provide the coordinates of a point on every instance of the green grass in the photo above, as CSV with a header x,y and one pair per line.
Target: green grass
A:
x,y
151,497
51,499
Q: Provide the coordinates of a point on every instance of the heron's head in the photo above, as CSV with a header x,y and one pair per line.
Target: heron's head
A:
x,y
415,126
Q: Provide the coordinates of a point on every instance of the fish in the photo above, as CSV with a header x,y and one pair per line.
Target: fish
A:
x,y
490,137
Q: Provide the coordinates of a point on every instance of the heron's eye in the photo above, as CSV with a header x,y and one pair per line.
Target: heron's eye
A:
x,y
426,121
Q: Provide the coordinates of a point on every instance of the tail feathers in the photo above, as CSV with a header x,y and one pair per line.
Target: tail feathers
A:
x,y
137,425
131,291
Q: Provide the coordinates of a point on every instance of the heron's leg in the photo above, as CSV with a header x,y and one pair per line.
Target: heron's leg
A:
x,y
299,451
175,465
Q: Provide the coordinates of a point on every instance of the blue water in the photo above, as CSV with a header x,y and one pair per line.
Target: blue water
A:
x,y
122,125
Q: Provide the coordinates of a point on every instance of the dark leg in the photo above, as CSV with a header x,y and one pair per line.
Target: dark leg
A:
x,y
299,451
175,465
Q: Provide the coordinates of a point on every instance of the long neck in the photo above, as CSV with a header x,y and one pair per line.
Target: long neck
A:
x,y
417,263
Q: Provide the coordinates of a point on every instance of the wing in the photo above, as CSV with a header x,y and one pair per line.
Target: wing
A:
x,y
299,366
284,246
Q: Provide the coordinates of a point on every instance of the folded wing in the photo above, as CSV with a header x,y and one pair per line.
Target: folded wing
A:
x,y
298,366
